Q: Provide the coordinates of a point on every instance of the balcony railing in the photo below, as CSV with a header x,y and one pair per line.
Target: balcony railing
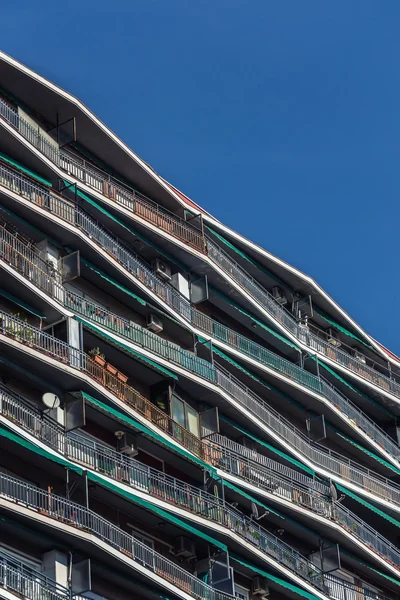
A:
x,y
132,201
105,460
328,460
137,334
248,465
151,212
60,351
25,582
60,509
107,185
34,268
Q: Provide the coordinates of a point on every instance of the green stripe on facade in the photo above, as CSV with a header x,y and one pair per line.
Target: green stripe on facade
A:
x,y
20,167
367,504
22,304
8,434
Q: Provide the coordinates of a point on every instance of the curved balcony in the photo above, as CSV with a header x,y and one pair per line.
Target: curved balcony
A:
x,y
23,581
67,512
168,222
34,268
330,463
105,460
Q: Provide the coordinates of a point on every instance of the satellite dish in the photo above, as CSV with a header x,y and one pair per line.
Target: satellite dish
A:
x,y
50,400
254,510
333,492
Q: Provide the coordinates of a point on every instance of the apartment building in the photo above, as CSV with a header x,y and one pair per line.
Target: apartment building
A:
x,y
182,414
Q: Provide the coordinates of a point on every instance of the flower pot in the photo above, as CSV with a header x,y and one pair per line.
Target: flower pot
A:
x,y
100,361
111,369
122,377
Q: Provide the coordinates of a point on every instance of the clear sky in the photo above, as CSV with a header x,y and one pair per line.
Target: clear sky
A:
x,y
280,117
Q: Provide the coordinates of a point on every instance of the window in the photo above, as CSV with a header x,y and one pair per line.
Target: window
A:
x,y
241,592
185,415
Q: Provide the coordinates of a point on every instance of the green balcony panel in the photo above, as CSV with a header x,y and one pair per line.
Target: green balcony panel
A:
x,y
246,257
253,318
144,359
113,412
233,487
128,228
354,389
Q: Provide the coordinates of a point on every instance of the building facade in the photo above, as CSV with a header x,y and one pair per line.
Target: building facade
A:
x,y
182,414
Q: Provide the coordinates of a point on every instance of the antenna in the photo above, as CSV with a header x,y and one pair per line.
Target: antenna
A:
x,y
50,400
254,512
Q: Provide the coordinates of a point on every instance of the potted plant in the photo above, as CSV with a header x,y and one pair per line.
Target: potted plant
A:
x,y
97,356
111,369
122,377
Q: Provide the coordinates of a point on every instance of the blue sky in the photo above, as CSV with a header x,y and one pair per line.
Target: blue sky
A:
x,y
282,118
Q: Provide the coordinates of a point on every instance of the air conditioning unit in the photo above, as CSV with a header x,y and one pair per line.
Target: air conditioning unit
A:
x,y
279,295
184,547
162,269
332,337
154,323
127,444
259,586
360,357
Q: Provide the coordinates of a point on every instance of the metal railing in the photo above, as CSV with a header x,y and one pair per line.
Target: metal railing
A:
x,y
59,350
67,512
248,465
139,335
310,494
105,184
22,580
177,227
15,254
132,201
328,460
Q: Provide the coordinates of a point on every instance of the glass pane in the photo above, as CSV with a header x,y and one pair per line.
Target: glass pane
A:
x,y
192,421
178,411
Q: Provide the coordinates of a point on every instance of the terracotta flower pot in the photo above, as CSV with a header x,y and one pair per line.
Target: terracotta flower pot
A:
x,y
111,369
100,361
122,377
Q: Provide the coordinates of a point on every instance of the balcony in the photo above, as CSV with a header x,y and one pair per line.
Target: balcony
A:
x,y
246,464
106,185
60,351
19,579
105,460
35,269
154,214
57,508
328,461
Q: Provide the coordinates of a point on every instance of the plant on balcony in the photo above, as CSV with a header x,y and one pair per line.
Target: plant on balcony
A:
x,y
111,369
122,377
97,356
